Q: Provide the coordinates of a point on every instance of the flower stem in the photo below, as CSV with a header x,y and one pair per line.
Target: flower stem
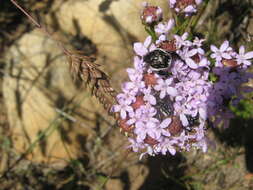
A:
x,y
195,19
151,31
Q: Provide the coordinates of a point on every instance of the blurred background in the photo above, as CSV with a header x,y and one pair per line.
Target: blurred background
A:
x,y
55,135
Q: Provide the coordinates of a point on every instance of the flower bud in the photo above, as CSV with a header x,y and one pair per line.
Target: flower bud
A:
x,y
176,126
185,6
151,15
168,45
138,103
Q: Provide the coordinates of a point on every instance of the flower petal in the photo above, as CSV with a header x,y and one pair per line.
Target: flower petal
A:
x,y
202,113
192,52
152,134
226,55
241,50
224,46
148,41
152,47
152,100
169,81
172,91
166,133
185,35
184,120
123,114
198,1
171,24
172,151
214,48
204,62
162,94
116,108
130,122
140,49
249,55
151,125
189,9
165,123
191,63
129,109
201,51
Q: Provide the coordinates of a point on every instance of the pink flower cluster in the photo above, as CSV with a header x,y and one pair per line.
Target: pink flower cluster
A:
x,y
165,113
231,70
225,55
169,99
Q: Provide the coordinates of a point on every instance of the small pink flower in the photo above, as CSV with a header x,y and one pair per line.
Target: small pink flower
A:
x,y
164,28
189,10
163,127
123,108
198,43
185,6
243,58
204,62
187,55
164,86
134,86
181,40
142,48
127,97
135,118
222,52
148,96
135,74
166,146
134,145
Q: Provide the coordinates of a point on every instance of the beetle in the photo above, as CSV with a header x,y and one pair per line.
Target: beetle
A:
x,y
159,60
193,121
164,107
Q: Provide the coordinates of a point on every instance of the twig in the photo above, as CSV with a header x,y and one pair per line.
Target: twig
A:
x,y
40,27
71,118
29,16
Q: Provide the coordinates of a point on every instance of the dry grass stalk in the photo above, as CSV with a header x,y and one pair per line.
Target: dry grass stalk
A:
x,y
83,68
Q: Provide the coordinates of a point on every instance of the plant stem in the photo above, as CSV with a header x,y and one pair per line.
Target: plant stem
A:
x,y
151,31
40,27
195,19
29,16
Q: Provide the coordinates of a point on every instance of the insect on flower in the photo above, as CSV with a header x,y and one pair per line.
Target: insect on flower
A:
x,y
158,60
165,107
192,121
